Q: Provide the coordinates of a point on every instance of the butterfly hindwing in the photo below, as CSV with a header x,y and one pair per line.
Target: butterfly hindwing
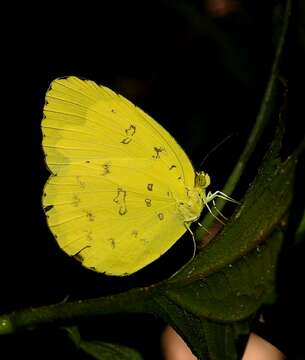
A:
x,y
115,223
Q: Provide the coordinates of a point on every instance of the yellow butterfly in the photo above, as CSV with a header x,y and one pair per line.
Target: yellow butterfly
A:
x,y
121,190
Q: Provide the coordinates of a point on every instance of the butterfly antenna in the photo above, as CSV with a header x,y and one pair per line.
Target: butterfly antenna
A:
x,y
214,149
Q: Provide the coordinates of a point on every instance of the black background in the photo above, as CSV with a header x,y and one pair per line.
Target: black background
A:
x,y
201,78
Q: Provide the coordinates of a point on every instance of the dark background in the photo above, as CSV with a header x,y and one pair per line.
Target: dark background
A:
x,y
198,70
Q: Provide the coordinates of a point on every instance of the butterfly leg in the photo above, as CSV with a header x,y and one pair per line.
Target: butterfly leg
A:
x,y
193,237
65,299
204,228
215,207
219,194
211,212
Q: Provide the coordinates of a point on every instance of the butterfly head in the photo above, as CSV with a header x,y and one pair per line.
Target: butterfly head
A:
x,y
202,180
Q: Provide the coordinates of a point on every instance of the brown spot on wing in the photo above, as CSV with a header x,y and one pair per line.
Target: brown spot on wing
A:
x,y
160,216
75,200
126,140
134,233
123,210
48,208
106,168
158,151
130,132
112,242
90,215
148,202
120,199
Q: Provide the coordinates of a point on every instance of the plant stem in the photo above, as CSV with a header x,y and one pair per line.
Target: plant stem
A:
x,y
262,120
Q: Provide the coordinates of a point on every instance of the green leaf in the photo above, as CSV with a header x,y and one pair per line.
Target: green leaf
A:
x,y
107,351
236,290
207,339
101,350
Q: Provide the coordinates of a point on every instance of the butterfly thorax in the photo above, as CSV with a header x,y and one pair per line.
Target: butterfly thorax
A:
x,y
194,199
